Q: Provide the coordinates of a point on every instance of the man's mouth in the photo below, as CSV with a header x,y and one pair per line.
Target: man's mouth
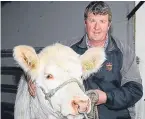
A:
x,y
97,33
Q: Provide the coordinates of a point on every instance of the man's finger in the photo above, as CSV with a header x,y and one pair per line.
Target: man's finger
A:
x,y
31,88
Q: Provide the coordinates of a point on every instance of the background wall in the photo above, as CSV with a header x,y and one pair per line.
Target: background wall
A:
x,y
39,24
42,23
140,48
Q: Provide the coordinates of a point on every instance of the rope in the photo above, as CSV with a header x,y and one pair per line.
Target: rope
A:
x,y
53,91
93,95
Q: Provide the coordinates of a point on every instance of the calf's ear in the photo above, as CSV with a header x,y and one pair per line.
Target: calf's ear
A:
x,y
26,58
92,60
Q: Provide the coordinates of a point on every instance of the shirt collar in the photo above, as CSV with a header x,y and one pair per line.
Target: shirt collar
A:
x,y
89,45
110,45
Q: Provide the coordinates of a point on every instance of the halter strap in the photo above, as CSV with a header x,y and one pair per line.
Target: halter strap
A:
x,y
53,91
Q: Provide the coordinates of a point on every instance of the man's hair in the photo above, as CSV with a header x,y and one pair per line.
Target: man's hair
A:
x,y
98,7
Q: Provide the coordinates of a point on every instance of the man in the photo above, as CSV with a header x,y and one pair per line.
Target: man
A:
x,y
118,82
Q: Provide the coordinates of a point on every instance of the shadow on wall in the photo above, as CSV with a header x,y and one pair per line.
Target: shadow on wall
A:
x,y
7,109
4,3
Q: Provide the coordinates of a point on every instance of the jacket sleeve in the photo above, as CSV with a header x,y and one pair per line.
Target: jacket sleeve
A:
x,y
131,89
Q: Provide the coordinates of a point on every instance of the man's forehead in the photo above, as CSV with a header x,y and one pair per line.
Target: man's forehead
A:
x,y
93,15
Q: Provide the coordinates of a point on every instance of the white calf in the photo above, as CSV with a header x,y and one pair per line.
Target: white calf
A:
x,y
57,71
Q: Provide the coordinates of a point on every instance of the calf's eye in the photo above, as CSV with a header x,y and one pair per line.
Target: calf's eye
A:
x,y
49,76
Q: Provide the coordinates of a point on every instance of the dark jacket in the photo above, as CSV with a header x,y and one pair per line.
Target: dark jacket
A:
x,y
119,78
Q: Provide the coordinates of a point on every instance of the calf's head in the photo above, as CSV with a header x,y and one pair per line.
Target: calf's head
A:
x,y
57,64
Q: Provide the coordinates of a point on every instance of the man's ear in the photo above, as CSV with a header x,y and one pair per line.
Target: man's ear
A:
x,y
27,58
109,25
92,60
85,22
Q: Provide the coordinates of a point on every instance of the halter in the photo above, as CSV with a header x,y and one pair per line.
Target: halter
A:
x,y
53,91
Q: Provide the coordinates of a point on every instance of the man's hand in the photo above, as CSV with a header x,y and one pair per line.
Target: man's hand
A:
x,y
32,88
102,97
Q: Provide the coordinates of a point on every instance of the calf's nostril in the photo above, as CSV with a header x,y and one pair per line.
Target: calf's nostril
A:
x,y
80,106
82,110
74,104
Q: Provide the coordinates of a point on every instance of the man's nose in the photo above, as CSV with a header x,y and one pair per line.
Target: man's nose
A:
x,y
81,105
97,26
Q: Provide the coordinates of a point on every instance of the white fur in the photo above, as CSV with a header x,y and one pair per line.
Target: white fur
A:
x,y
63,63
98,55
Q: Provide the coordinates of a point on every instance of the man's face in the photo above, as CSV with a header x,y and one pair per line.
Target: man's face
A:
x,y
97,26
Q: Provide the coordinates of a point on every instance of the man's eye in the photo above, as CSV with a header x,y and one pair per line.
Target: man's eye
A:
x,y
49,76
91,20
102,21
